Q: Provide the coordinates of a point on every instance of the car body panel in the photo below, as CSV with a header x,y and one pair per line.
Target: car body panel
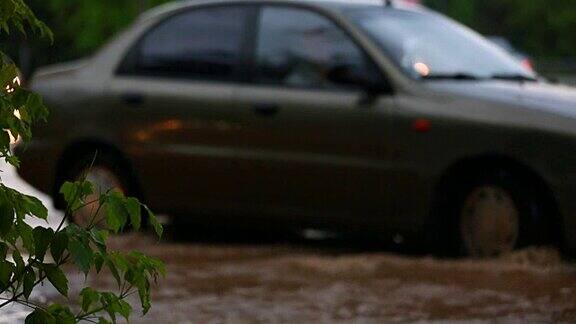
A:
x,y
192,140
327,142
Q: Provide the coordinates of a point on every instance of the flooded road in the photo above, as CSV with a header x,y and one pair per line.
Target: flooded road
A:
x,y
304,283
254,281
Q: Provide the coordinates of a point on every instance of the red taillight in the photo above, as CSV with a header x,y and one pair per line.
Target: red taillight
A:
x,y
421,125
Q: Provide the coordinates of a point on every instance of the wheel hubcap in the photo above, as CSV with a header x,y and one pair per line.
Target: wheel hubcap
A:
x,y
103,180
490,222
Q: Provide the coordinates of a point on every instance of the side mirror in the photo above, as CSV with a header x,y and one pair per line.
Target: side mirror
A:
x,y
348,75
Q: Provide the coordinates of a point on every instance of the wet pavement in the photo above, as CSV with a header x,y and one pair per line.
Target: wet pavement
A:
x,y
306,283
217,278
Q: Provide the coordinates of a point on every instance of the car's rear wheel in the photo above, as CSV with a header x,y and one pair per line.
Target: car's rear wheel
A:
x,y
493,213
106,173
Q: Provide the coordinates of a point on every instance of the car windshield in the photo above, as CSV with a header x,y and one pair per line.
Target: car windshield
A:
x,y
429,46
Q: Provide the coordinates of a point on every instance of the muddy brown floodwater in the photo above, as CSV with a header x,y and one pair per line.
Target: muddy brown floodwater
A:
x,y
301,283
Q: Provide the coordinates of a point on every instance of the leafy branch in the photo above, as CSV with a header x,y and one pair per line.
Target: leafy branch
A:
x,y
30,256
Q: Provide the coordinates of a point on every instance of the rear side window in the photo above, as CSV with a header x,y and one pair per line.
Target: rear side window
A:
x,y
203,44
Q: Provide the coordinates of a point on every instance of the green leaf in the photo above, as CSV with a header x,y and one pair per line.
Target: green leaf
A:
x,y
5,141
4,26
35,207
144,294
114,271
154,222
114,305
6,270
19,262
42,239
120,261
81,253
89,297
30,106
39,317
68,190
59,245
7,8
29,281
13,160
116,211
99,238
27,236
3,250
123,308
57,278
6,218
61,314
7,73
118,264
134,210
150,264
75,192
98,262
109,300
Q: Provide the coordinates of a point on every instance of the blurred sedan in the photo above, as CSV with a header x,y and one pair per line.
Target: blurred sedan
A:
x,y
385,120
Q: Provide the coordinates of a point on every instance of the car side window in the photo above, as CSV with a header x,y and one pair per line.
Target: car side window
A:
x,y
300,48
204,44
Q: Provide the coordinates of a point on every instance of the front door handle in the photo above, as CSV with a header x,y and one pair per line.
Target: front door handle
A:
x,y
266,110
133,99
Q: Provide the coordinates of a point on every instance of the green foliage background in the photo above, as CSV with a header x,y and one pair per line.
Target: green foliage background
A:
x,y
543,28
79,26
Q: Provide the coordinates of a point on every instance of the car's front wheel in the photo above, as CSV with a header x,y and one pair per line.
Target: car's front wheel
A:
x,y
493,213
489,222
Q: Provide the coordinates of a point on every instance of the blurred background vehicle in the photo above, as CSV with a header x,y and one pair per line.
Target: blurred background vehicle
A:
x,y
505,44
390,121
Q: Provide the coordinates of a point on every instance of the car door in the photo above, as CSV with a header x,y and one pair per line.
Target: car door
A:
x,y
173,103
313,149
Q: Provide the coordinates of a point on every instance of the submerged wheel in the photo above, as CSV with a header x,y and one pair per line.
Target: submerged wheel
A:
x,y
490,213
489,222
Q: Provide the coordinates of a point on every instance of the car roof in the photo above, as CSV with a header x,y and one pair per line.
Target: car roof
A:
x,y
328,4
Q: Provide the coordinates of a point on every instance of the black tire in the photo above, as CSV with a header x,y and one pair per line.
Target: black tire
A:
x,y
77,166
533,228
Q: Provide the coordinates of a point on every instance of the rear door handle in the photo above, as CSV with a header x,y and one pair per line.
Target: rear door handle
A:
x,y
266,110
133,99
